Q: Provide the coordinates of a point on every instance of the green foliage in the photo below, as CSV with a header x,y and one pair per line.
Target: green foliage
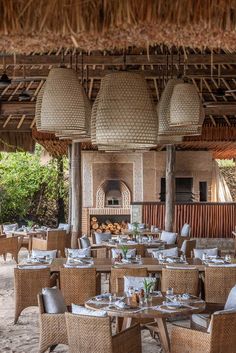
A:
x,y
124,249
226,163
147,286
22,178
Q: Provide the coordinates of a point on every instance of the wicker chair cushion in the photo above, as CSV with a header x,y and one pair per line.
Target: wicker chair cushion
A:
x,y
7,228
81,310
210,252
79,252
231,300
64,226
185,231
137,282
166,252
100,237
33,267
43,253
168,237
116,252
202,320
53,301
85,242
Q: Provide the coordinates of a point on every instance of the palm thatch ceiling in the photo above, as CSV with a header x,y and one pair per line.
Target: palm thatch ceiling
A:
x,y
43,25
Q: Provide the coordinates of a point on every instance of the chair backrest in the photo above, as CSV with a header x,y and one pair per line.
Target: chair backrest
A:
x,y
117,277
182,281
187,247
84,242
218,283
78,284
28,283
223,328
56,239
186,230
9,245
88,334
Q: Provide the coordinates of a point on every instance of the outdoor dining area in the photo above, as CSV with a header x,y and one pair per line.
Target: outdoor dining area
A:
x,y
138,100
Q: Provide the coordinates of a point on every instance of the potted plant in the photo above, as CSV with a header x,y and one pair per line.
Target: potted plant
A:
x,y
136,230
124,250
148,286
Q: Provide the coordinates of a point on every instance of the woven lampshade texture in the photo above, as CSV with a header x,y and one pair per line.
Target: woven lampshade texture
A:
x,y
185,105
163,111
38,107
124,114
65,105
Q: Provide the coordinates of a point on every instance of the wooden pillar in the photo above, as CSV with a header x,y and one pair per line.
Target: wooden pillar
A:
x,y
76,194
170,188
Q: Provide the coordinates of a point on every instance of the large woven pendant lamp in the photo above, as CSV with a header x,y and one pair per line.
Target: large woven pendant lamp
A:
x,y
38,107
166,132
124,114
185,106
65,105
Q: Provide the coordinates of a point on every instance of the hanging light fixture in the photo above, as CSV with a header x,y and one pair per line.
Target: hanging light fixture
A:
x,y
65,106
38,107
185,105
124,114
166,132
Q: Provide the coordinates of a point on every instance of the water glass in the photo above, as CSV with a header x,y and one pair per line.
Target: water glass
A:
x,y
130,291
204,256
170,291
138,258
227,258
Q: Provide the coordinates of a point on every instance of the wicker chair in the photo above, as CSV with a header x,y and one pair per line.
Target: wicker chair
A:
x,y
218,283
182,281
93,334
79,284
27,284
117,277
52,328
222,337
187,247
55,240
10,245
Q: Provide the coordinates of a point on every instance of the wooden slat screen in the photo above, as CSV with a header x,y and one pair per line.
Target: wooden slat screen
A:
x,y
206,219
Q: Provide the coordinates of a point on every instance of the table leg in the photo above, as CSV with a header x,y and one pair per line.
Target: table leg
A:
x,y
163,334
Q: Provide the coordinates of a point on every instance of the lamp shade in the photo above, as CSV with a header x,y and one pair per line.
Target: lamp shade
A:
x,y
38,107
65,105
124,113
166,132
185,105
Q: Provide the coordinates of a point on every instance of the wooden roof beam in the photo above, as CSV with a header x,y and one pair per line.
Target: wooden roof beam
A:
x,y
119,60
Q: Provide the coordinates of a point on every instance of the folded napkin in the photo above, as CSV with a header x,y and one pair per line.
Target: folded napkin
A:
x,y
221,265
218,261
120,304
77,265
131,242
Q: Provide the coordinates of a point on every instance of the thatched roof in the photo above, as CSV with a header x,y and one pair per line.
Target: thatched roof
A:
x,y
40,25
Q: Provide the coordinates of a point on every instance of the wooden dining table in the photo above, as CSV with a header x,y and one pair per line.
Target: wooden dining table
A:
x,y
155,311
29,235
106,264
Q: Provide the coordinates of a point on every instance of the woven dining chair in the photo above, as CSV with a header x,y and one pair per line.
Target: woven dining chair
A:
x,y
221,339
52,328
79,284
27,284
218,283
181,280
87,334
55,240
10,245
187,247
117,277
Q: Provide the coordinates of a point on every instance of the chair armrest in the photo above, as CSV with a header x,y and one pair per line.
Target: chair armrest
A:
x,y
128,341
185,340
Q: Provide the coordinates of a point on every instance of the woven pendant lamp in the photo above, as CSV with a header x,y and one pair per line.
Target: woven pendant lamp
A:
x,y
185,106
65,105
38,108
124,113
173,133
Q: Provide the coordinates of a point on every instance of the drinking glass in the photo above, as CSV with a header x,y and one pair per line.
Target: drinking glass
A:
x,y
138,258
130,291
170,291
